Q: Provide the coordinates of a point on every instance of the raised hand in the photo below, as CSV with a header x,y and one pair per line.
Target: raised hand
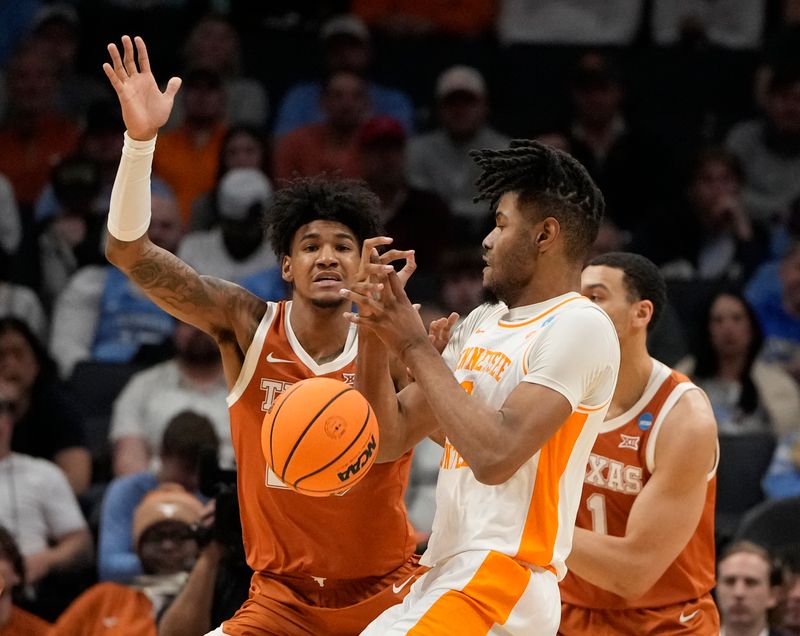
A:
x,y
144,107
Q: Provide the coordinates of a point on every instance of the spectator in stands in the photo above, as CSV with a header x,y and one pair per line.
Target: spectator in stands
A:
x,y
439,161
414,218
48,423
192,380
167,548
101,144
731,24
783,475
629,168
242,147
777,304
330,146
36,504
462,281
214,45
34,136
769,148
72,238
717,238
748,395
346,46
790,622
748,590
186,438
19,301
57,28
187,156
237,248
15,621
102,316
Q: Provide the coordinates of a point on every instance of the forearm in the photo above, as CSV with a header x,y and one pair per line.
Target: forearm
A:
x,y
77,466
374,381
73,549
190,612
474,428
611,563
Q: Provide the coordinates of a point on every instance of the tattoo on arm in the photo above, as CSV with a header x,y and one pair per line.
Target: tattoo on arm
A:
x,y
172,281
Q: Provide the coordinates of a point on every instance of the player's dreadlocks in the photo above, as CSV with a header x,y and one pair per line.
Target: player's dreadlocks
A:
x,y
553,181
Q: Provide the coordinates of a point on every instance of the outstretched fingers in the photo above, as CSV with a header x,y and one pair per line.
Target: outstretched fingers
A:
x,y
127,58
141,52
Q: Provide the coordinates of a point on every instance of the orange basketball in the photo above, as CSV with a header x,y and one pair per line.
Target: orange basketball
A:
x,y
320,437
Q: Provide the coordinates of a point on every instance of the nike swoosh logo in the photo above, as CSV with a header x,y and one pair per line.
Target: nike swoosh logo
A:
x,y
396,588
272,358
688,617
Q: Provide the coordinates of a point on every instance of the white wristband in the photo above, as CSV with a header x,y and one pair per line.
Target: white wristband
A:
x,y
129,211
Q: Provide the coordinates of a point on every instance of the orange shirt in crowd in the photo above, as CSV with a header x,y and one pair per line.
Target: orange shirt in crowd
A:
x,y
107,609
28,155
310,150
25,623
190,169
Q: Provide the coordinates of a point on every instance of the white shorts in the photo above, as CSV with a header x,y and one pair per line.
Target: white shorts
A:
x,y
476,593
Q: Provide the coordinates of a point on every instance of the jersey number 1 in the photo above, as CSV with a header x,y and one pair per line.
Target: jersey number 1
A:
x,y
596,503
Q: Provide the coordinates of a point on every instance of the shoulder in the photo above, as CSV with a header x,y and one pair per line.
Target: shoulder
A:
x,y
689,428
40,472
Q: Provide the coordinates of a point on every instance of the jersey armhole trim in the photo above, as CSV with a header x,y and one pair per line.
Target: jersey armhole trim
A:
x,y
671,401
251,357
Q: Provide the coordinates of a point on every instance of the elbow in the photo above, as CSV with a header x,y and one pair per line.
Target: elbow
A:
x,y
494,472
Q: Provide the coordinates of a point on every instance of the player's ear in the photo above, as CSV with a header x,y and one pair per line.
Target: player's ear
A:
x,y
644,312
546,232
286,269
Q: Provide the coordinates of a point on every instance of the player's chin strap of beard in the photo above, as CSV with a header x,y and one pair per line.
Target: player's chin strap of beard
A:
x,y
129,210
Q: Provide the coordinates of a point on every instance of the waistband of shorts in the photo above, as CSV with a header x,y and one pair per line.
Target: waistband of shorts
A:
x,y
303,582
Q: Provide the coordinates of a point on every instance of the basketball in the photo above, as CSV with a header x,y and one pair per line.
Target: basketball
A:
x,y
320,437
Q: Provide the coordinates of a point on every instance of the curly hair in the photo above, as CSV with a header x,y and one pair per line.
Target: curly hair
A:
x,y
308,199
551,181
641,277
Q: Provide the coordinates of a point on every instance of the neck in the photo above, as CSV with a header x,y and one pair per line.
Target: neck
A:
x,y
635,368
731,367
460,138
341,136
5,449
322,332
565,277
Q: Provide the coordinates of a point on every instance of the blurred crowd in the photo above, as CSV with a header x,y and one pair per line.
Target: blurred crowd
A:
x,y
686,113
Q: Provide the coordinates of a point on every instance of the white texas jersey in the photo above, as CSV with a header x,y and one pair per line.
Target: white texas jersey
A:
x,y
568,344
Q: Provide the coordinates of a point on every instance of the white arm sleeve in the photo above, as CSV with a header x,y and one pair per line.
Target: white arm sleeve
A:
x,y
129,211
577,355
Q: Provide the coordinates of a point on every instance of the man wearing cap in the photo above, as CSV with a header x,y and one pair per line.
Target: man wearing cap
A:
x,y
237,247
409,215
346,45
164,539
439,161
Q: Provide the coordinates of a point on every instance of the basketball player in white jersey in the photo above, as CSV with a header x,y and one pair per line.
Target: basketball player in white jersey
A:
x,y
642,558
516,400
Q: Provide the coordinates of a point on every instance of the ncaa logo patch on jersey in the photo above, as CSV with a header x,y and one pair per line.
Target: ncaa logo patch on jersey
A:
x,y
629,441
547,322
645,421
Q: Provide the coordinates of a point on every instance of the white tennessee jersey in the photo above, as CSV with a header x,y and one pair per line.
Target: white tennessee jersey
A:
x,y
567,344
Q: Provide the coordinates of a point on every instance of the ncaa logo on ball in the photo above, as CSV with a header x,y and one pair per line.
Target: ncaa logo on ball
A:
x,y
360,462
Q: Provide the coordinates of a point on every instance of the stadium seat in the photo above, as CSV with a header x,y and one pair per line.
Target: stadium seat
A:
x,y
774,524
743,461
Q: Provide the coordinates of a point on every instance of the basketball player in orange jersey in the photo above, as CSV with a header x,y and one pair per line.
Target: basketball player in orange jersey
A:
x,y
642,558
321,565
516,399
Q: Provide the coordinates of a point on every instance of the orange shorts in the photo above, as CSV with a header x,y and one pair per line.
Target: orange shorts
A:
x,y
300,606
698,617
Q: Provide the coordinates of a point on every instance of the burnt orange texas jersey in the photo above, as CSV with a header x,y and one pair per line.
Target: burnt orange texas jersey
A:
x,y
621,462
364,532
